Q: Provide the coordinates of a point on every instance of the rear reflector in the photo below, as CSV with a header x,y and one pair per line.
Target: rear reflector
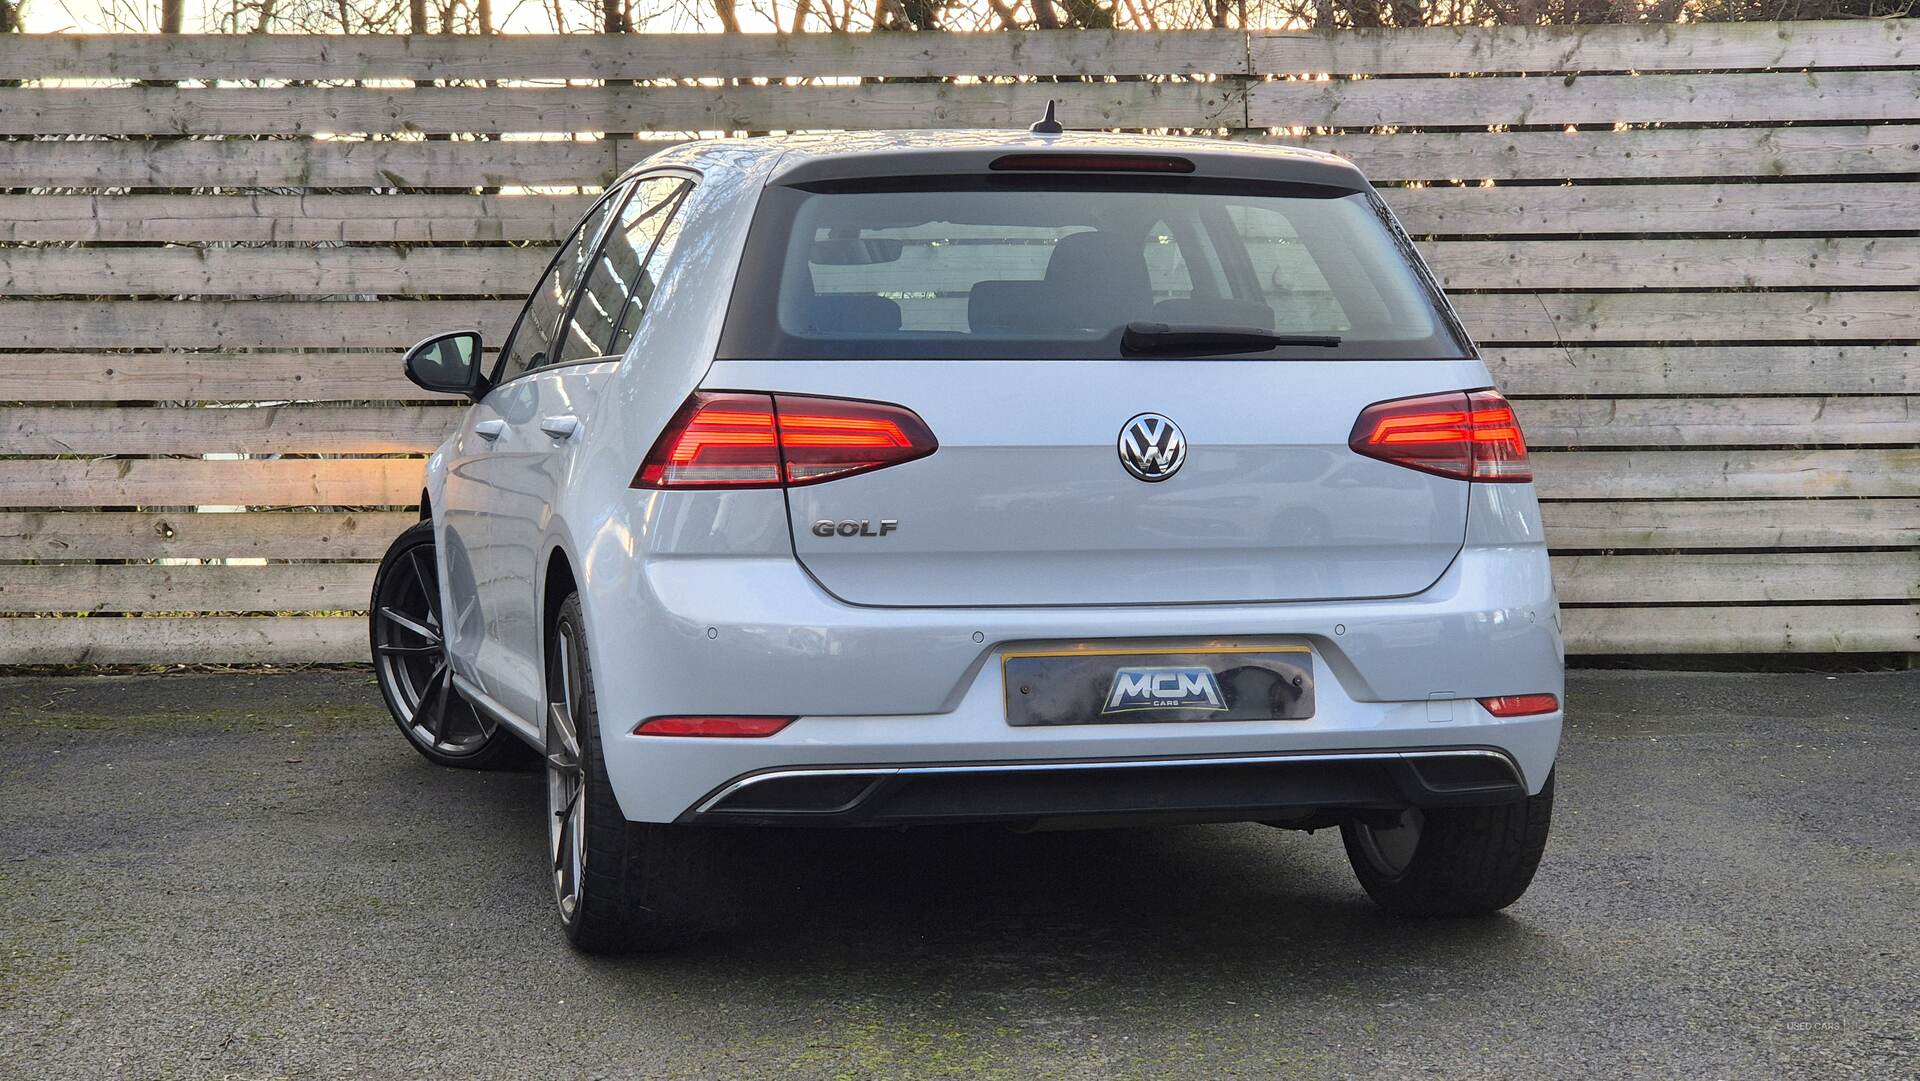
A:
x,y
712,727
738,440
1470,435
1520,705
1099,163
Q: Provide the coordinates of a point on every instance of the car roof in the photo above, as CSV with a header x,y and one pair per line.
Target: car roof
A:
x,y
801,159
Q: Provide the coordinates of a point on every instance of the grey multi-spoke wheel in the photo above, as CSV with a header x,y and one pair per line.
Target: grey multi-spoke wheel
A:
x,y
410,662
1451,861
566,788
620,885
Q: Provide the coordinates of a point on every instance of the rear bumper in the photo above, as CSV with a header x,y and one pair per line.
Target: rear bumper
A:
x,y
896,689
1224,788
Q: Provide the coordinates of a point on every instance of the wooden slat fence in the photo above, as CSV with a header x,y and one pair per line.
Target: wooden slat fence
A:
x,y
1692,254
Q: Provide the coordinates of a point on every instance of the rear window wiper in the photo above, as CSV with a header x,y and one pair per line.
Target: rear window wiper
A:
x,y
1144,339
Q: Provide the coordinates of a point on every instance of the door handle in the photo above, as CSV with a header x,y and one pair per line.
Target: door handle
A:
x,y
490,430
560,427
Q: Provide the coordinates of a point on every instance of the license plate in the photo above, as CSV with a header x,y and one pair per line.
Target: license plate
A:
x,y
1217,683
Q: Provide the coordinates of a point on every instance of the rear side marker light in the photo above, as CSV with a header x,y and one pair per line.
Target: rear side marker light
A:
x,y
739,440
1471,435
712,727
1096,163
1521,705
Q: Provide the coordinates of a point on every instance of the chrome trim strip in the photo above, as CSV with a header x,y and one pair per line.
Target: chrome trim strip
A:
x,y
781,773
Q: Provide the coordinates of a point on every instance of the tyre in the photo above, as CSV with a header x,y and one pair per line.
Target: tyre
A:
x,y
620,886
1452,861
410,663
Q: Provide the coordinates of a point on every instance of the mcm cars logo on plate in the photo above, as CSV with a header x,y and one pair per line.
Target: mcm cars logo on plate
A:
x,y
1163,688
1152,447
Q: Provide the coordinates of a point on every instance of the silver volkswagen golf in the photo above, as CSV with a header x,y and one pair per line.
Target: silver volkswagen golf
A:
x,y
974,476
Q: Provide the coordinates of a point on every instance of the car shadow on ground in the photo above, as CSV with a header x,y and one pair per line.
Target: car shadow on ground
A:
x,y
1215,910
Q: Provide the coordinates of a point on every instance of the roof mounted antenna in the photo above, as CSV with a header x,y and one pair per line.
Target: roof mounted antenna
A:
x,y
1047,125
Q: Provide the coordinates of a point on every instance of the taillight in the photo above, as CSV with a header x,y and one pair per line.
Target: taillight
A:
x,y
1520,705
740,440
1471,435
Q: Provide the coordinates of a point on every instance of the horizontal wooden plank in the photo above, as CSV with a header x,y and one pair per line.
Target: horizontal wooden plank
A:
x,y
273,429
1625,525
189,640
1461,264
362,219
190,482
1634,47
1708,369
330,587
1750,208
1718,422
1780,262
284,587
1686,474
1733,523
1726,474
1645,47
80,534
1536,370
1495,318
1589,631
1651,154
1738,577
187,271
208,377
340,110
1620,525
1635,154
316,429
1836,628
315,163
241,324
1677,317
637,56
1587,99
1656,208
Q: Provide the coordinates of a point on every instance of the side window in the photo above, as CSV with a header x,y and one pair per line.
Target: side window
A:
x,y
669,239
526,348
621,282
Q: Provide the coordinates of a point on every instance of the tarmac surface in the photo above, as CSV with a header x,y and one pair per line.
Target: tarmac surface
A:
x,y
252,876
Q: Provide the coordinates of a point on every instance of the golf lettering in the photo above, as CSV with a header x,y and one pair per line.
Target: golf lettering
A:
x,y
826,527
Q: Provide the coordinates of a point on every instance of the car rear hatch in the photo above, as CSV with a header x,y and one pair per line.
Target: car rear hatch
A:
x,y
998,309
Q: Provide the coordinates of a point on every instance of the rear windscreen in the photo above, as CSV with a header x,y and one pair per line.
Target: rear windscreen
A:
x,y
1022,267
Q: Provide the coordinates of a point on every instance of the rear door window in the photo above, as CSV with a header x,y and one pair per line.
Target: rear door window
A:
x,y
533,333
622,278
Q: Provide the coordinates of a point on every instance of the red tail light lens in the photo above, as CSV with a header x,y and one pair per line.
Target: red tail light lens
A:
x,y
1520,705
1470,435
712,727
737,440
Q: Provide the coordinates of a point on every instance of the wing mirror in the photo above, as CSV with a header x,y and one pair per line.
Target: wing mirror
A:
x,y
449,364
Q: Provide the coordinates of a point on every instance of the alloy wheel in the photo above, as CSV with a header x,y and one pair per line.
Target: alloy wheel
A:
x,y
410,659
1391,848
566,775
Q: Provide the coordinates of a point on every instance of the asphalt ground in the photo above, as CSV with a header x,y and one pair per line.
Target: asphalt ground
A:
x,y
252,876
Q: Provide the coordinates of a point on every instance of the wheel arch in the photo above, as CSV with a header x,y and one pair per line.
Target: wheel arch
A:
x,y
556,582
